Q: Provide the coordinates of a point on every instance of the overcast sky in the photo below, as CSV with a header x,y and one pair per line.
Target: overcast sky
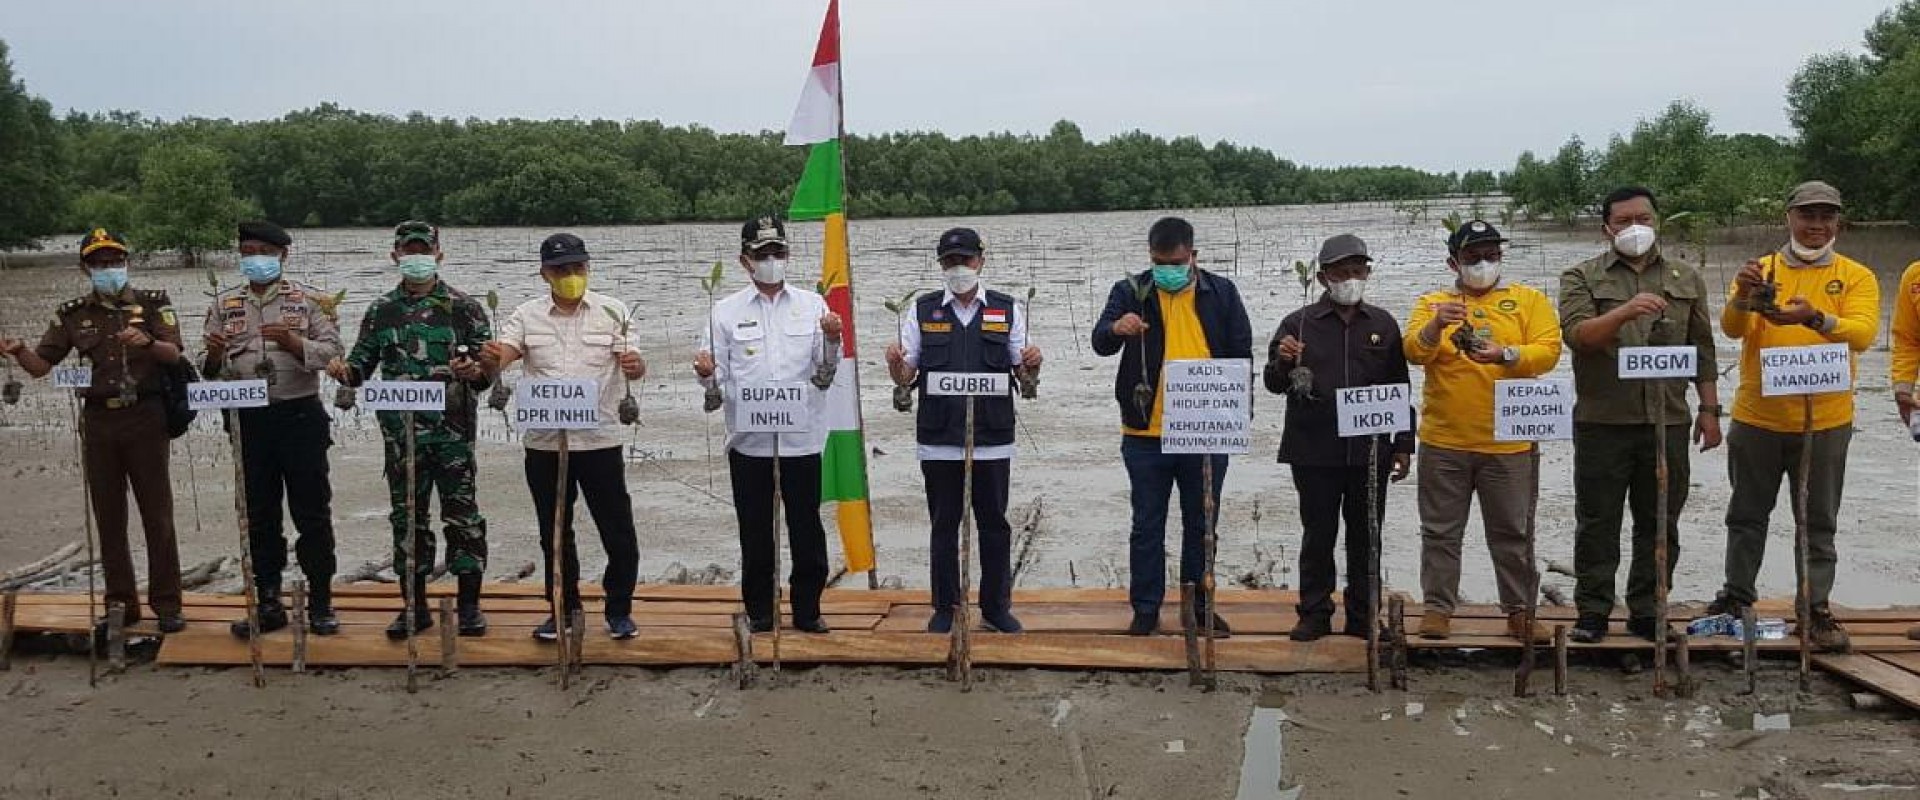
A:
x,y
1439,86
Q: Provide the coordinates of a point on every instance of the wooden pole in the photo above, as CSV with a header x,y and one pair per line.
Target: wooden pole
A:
x,y
1523,674
1682,664
1560,660
246,551
743,650
1373,563
558,566
449,642
1190,633
1749,649
86,514
1803,588
8,602
1661,531
961,663
779,498
299,613
1397,635
1209,508
410,548
116,638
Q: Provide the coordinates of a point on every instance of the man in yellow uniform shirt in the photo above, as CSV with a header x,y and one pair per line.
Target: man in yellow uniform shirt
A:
x,y
1515,334
1804,294
1906,356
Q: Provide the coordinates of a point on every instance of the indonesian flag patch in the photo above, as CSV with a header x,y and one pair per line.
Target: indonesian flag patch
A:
x,y
993,315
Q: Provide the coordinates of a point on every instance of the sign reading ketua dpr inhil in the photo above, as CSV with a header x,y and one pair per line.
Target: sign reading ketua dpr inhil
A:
x,y
1206,406
1818,369
556,404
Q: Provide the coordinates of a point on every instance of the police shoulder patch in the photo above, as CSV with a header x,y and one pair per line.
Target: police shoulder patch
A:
x,y
1835,286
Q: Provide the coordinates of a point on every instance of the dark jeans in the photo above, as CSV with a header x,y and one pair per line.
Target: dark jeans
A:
x,y
1152,476
283,450
601,476
1615,464
1756,460
1328,494
993,535
753,507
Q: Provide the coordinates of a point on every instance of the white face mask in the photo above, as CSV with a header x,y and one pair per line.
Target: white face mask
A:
x,y
770,271
961,279
1480,276
1810,255
1634,241
1348,292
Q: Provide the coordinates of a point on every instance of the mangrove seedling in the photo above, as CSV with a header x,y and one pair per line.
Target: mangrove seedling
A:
x,y
1142,391
1300,378
629,407
501,394
711,283
902,395
1027,377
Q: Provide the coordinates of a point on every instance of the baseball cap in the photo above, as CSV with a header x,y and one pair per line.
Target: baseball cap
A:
x,y
1341,247
1472,232
562,249
1814,193
765,231
964,241
414,230
102,239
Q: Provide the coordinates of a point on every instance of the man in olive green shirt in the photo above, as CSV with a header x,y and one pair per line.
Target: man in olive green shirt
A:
x,y
1631,296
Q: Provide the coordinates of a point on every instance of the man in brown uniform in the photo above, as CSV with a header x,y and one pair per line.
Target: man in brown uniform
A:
x,y
126,334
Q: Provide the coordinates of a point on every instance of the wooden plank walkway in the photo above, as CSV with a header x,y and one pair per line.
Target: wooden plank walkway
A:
x,y
1067,628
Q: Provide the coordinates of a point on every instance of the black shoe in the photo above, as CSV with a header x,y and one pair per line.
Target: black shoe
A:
x,y
1646,627
171,623
467,606
1357,628
762,625
273,616
422,620
1144,623
1724,604
621,628
1001,622
1310,629
811,625
941,621
1589,629
547,631
323,622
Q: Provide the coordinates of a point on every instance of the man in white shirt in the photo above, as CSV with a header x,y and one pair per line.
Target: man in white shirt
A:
x,y
772,332
575,333
965,328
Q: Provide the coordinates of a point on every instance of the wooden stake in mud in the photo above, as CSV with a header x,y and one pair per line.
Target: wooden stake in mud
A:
x,y
8,602
960,664
779,497
563,640
743,650
1397,635
449,642
1682,662
1749,649
1560,660
299,613
246,550
1803,588
409,548
1190,633
1209,509
116,638
93,560
1523,674
1373,563
1661,531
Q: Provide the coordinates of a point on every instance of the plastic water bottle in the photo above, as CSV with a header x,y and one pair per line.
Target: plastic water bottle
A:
x,y
1716,625
1771,628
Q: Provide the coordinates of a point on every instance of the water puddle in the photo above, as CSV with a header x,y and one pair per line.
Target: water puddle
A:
x,y
1762,721
1262,767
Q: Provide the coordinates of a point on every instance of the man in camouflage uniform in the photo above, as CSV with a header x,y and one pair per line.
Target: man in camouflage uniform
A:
x,y
126,334
425,330
273,328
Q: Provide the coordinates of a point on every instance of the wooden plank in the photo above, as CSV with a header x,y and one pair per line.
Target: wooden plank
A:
x,y
1861,644
1875,673
1907,661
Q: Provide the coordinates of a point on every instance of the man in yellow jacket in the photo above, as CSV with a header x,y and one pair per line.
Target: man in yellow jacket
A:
x,y
1906,356
1804,294
1512,333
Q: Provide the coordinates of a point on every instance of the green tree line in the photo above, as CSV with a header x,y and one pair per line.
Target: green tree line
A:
x,y
1857,117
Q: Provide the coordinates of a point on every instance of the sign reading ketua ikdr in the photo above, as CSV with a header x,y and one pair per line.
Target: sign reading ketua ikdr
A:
x,y
1207,406
1374,410
1818,369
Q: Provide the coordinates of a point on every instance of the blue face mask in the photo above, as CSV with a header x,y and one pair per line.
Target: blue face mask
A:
x,y
108,280
1172,277
260,269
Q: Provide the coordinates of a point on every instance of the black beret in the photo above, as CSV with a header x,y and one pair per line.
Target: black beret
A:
x,y
260,230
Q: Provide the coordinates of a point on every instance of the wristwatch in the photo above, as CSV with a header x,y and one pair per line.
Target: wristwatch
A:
x,y
1716,411
1509,355
1817,322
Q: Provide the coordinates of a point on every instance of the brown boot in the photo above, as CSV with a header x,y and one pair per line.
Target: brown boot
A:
x,y
1517,628
1436,625
1914,632
1827,635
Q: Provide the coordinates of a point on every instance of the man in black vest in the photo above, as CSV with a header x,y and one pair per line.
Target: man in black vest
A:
x,y
965,328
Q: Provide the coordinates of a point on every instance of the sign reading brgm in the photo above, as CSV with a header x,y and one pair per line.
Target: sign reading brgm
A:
x,y
209,395
1532,411
404,396
552,404
1207,406
1647,363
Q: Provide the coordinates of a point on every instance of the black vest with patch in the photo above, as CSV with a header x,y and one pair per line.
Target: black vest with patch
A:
x,y
979,346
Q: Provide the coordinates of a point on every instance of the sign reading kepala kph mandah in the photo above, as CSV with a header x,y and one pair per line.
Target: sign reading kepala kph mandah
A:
x,y
772,408
1818,369
404,396
552,404
1532,411
1207,406
1374,410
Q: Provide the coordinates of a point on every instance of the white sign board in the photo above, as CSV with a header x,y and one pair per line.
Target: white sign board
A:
x,y
1207,406
1818,369
73,377
208,395
1374,410
404,396
772,408
1649,363
551,404
1532,411
962,384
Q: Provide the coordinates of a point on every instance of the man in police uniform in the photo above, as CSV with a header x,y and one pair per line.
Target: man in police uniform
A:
x,y
769,332
272,328
965,328
126,334
425,330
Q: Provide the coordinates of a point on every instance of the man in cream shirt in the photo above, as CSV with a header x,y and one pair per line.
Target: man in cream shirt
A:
x,y
575,333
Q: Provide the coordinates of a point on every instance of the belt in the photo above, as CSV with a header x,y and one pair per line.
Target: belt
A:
x,y
115,403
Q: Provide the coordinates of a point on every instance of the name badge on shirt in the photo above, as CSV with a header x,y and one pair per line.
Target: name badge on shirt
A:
x,y
993,327
936,327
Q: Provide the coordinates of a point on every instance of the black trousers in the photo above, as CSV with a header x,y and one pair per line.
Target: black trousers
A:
x,y
1327,496
283,450
993,537
601,476
753,506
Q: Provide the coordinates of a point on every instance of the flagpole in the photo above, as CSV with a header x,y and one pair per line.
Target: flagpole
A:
x,y
846,213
